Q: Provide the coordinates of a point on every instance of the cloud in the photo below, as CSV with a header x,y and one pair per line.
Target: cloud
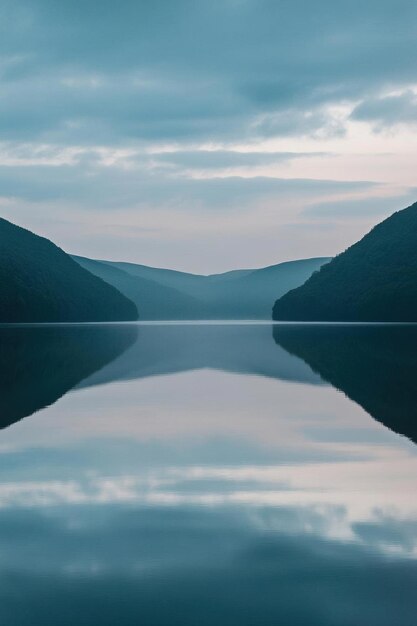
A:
x,y
121,109
386,112
362,207
195,70
167,216
222,159
121,188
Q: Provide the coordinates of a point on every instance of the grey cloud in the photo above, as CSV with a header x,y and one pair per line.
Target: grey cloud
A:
x,y
181,69
318,122
186,73
385,112
360,207
113,188
113,110
224,159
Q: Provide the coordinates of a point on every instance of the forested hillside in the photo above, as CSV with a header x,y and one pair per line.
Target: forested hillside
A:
x,y
373,280
39,282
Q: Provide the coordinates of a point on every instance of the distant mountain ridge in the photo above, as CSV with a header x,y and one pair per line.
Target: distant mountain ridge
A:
x,y
154,300
170,294
375,280
39,282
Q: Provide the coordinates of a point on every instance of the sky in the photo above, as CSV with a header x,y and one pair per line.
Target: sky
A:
x,y
207,136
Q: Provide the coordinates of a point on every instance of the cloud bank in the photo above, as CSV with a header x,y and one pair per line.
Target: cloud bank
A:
x,y
146,107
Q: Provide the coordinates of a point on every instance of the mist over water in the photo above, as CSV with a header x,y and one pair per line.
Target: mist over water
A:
x,y
208,474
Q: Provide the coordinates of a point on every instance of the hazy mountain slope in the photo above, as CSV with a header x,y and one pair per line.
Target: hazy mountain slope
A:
x,y
168,294
253,294
156,301
175,279
373,280
39,282
236,294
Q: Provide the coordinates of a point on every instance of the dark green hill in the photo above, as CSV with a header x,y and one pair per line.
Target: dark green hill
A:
x,y
39,282
373,280
169,294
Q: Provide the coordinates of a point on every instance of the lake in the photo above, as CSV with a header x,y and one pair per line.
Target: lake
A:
x,y
208,474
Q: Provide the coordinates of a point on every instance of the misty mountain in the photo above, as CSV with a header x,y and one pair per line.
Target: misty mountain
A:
x,y
373,280
169,294
154,300
39,282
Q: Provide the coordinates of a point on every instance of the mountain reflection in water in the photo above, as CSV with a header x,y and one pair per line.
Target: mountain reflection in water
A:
x,y
374,365
39,364
208,474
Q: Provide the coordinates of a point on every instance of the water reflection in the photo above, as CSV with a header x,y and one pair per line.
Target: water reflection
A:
x,y
38,365
193,566
205,475
374,365
169,349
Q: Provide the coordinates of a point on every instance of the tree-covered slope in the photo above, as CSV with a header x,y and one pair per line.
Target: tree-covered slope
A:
x,y
373,280
39,282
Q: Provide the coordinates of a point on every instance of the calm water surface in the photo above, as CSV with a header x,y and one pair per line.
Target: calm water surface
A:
x,y
198,475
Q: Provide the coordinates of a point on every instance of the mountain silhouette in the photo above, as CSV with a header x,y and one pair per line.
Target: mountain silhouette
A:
x,y
41,283
170,294
373,280
157,301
